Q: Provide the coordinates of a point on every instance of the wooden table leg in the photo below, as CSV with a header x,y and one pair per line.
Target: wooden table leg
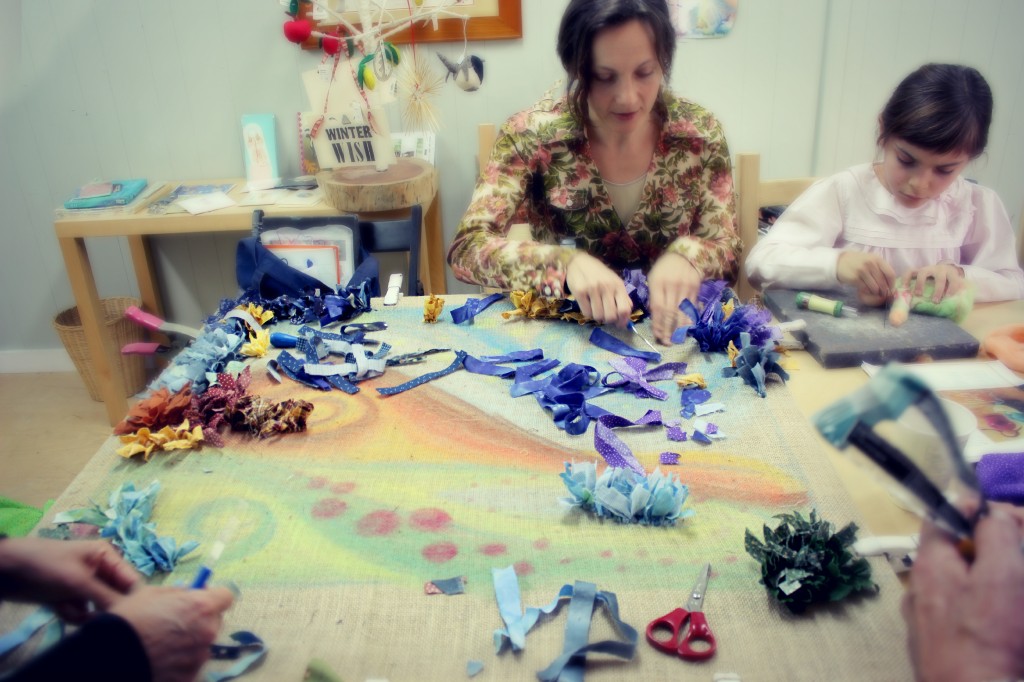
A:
x,y
142,260
102,354
434,253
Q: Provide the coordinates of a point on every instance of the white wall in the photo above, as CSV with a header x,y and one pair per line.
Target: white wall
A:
x,y
105,88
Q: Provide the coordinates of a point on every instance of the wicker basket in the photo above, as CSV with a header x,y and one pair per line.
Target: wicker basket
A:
x,y
122,330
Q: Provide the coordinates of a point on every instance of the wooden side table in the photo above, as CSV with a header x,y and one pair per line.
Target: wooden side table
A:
x,y
137,228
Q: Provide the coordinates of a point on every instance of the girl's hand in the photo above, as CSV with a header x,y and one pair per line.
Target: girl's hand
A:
x,y
599,291
949,280
873,277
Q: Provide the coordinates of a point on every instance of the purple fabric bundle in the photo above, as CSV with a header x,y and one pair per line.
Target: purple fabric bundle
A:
x,y
1001,477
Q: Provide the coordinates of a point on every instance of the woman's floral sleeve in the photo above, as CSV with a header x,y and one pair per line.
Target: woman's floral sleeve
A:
x,y
712,243
481,253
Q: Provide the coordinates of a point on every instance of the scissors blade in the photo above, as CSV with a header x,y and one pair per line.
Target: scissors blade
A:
x,y
696,601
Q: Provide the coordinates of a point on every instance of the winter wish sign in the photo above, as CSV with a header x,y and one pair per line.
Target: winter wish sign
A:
x,y
344,143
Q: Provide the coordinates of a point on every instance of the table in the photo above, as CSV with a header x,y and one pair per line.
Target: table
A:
x,y
343,524
138,227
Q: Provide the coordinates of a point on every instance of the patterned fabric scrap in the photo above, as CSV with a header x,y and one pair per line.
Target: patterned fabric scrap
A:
x,y
1001,477
209,353
626,496
635,378
670,458
449,586
158,409
754,364
611,447
144,441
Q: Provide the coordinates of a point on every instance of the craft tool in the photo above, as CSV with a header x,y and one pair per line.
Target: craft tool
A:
x,y
885,397
211,558
820,304
151,321
632,327
687,625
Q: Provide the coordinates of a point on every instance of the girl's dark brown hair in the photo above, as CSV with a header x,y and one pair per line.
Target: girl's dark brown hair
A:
x,y
583,19
941,108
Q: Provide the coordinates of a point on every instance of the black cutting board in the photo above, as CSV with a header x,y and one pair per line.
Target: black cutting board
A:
x,y
849,341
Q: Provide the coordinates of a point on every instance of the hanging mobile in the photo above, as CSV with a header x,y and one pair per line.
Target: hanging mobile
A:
x,y
468,71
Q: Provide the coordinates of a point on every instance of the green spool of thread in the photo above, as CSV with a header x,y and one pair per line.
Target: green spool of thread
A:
x,y
820,304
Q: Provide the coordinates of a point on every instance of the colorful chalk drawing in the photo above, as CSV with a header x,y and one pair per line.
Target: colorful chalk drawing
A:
x,y
456,477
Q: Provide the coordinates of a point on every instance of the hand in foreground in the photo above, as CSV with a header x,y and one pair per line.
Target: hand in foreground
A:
x,y
65,575
672,279
873,277
966,621
949,280
176,626
599,291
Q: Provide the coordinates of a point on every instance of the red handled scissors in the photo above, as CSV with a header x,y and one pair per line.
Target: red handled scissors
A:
x,y
682,639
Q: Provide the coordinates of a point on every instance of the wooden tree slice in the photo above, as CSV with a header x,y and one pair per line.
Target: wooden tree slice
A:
x,y
362,189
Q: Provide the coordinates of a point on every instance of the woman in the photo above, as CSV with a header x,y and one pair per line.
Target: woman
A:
x,y
617,174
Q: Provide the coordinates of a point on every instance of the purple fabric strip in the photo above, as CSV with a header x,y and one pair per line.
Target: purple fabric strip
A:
x,y
606,341
515,356
635,378
611,447
1001,477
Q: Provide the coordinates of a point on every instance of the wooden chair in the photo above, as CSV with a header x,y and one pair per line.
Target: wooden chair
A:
x,y
376,236
753,194
486,134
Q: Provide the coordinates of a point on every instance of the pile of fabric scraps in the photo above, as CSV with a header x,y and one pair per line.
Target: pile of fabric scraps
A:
x,y
532,306
804,563
625,496
326,309
754,364
263,418
210,353
153,420
144,441
126,522
432,308
704,432
357,364
722,318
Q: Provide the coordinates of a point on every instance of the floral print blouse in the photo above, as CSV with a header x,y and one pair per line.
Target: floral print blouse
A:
x,y
541,173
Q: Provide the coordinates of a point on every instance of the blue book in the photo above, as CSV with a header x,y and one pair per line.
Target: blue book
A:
x,y
120,192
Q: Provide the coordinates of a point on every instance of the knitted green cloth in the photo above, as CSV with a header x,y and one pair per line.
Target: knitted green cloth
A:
x,y
17,519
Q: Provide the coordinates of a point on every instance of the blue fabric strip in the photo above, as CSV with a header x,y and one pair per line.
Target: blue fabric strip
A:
x,y
460,357
473,307
32,623
606,341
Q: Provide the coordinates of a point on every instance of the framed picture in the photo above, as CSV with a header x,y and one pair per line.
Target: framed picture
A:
x,y
488,20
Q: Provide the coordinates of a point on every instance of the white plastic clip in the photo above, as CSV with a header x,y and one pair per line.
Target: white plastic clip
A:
x,y
394,291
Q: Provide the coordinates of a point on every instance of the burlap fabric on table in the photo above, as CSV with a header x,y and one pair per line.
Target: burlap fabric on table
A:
x,y
342,525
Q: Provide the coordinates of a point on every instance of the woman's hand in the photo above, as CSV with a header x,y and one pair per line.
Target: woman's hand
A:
x,y
965,620
874,278
672,279
66,575
949,280
599,291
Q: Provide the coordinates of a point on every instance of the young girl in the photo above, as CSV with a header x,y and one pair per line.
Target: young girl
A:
x,y
910,216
